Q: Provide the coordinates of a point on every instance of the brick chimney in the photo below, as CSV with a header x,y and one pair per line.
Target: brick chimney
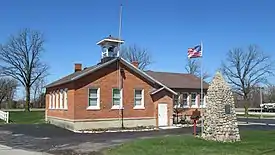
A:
x,y
135,63
77,67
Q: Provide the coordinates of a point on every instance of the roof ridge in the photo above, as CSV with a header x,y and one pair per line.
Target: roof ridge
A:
x,y
168,72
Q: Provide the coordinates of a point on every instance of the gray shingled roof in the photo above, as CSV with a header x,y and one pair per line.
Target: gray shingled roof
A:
x,y
111,37
177,80
171,80
69,77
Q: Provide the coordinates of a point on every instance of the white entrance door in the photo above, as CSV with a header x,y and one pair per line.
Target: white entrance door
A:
x,y
162,115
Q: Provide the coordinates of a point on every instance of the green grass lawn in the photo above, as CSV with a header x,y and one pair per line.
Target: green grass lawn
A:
x,y
21,117
253,143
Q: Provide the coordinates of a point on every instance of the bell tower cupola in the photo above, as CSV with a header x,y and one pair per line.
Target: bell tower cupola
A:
x,y
109,48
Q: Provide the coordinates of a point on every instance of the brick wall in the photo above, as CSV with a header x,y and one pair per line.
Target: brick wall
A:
x,y
106,79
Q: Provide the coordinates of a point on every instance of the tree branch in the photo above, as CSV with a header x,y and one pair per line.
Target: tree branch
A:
x,y
134,53
244,69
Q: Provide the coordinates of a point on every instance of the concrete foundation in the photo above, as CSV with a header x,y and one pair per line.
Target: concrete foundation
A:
x,y
76,125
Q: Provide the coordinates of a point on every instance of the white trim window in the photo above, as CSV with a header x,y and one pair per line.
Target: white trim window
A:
x,y
53,102
117,98
61,99
50,101
65,99
56,100
94,100
193,99
185,100
139,99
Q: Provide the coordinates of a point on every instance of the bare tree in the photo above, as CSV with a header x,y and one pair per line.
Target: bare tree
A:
x,y
269,95
135,53
21,59
245,69
8,88
193,67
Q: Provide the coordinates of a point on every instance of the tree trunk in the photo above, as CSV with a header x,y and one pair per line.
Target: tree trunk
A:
x,y
1,100
28,97
246,106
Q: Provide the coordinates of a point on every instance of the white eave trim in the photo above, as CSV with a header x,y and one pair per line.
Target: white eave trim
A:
x,y
151,78
125,63
94,69
157,90
111,40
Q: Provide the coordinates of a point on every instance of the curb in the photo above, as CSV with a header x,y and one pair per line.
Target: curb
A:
x,y
77,131
256,117
250,123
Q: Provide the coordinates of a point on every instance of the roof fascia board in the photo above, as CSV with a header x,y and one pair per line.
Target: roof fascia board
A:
x,y
111,40
146,75
125,63
94,69
156,91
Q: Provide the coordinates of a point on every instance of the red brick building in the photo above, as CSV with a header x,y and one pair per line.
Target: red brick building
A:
x,y
116,91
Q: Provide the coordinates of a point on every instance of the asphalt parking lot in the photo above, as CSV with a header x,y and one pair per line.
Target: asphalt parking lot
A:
x,y
51,139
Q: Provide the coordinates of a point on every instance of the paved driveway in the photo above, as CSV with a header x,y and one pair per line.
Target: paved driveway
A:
x,y
51,139
257,120
54,140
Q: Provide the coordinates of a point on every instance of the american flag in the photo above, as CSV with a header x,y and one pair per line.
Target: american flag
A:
x,y
195,52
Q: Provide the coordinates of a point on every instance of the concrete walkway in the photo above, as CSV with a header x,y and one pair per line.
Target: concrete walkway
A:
x,y
5,150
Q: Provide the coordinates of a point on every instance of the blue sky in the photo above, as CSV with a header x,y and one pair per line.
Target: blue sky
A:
x,y
165,28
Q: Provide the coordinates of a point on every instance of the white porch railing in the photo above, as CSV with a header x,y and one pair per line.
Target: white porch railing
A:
x,y
4,116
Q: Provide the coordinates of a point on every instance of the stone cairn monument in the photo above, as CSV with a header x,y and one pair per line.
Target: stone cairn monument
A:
x,y
220,121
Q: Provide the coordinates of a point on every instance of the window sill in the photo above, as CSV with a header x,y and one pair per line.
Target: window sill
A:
x,y
202,106
58,108
117,107
194,106
93,108
139,107
184,106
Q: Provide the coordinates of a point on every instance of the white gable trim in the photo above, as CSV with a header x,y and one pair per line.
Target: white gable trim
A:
x,y
146,75
94,69
157,90
126,63
111,40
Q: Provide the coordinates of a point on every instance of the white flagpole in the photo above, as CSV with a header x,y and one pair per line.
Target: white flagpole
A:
x,y
118,52
119,76
119,29
201,89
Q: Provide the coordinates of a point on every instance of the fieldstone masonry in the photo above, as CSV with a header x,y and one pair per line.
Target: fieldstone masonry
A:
x,y
220,121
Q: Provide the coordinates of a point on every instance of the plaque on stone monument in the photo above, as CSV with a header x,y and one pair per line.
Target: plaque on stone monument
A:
x,y
227,109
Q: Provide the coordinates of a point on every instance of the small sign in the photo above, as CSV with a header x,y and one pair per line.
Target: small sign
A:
x,y
227,109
